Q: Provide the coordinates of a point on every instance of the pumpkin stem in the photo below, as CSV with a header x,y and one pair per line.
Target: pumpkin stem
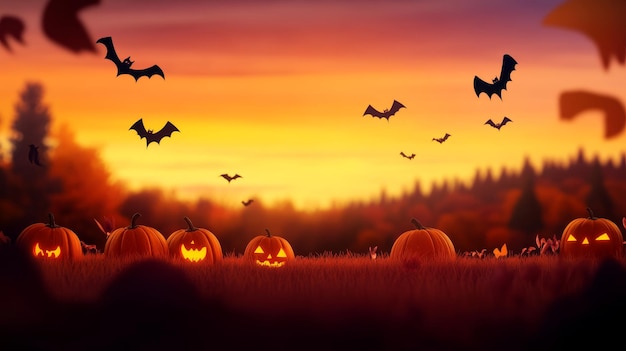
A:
x,y
417,224
133,225
591,216
51,223
190,226
268,232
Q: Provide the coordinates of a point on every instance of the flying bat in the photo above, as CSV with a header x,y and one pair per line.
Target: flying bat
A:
x,y
573,103
33,154
11,26
395,107
61,24
505,120
602,21
229,178
246,203
498,83
166,131
123,67
410,157
441,140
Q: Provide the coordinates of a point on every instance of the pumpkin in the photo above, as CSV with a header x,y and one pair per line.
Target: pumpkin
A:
x,y
195,245
422,242
50,241
136,240
591,237
269,250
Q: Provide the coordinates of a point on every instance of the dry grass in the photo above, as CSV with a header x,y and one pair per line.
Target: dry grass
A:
x,y
470,299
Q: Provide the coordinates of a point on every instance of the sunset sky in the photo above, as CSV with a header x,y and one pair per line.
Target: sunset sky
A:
x,y
275,91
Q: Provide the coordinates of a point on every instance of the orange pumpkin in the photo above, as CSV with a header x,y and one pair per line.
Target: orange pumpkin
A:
x,y
591,237
136,240
422,242
195,245
50,241
269,250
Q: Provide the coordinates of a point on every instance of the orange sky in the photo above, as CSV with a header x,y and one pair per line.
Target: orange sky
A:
x,y
276,92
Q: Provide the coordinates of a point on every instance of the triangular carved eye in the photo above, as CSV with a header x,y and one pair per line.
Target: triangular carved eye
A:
x,y
571,238
603,237
281,253
259,250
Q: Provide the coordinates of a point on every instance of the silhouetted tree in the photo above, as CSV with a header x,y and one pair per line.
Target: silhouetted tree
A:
x,y
527,213
30,126
598,197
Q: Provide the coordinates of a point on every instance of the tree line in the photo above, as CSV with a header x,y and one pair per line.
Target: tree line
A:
x,y
512,207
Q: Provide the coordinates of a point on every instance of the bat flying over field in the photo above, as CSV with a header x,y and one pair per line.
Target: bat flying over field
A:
x,y
11,26
498,83
395,107
123,67
248,202
229,178
33,154
410,157
166,131
505,120
442,139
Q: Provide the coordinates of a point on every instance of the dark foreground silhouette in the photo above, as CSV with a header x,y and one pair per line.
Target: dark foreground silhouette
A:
x,y
154,305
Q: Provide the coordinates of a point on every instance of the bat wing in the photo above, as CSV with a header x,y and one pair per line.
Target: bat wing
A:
x,y
148,72
166,131
112,55
508,66
374,112
445,137
139,128
491,123
395,107
480,86
505,120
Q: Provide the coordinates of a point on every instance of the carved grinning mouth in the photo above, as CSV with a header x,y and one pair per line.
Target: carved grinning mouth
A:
x,y
193,255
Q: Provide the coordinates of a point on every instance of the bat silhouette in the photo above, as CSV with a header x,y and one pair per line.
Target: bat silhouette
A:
x,y
229,178
505,120
395,107
573,103
246,203
11,26
166,131
441,140
61,25
498,83
123,67
33,154
407,156
602,21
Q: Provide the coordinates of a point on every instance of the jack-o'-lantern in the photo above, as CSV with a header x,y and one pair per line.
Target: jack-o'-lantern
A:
x,y
50,241
136,240
195,245
422,242
269,250
591,237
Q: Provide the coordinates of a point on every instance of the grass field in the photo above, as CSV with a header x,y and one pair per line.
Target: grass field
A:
x,y
320,302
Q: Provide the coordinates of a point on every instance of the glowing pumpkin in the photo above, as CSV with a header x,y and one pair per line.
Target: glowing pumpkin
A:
x,y
195,245
422,242
269,251
591,237
50,241
136,240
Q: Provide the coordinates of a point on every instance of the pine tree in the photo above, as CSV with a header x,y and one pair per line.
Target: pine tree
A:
x,y
527,213
30,126
598,197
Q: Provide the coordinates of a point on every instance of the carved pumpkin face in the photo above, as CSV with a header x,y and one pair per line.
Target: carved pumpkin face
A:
x,y
269,251
50,241
136,240
195,245
422,242
591,237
